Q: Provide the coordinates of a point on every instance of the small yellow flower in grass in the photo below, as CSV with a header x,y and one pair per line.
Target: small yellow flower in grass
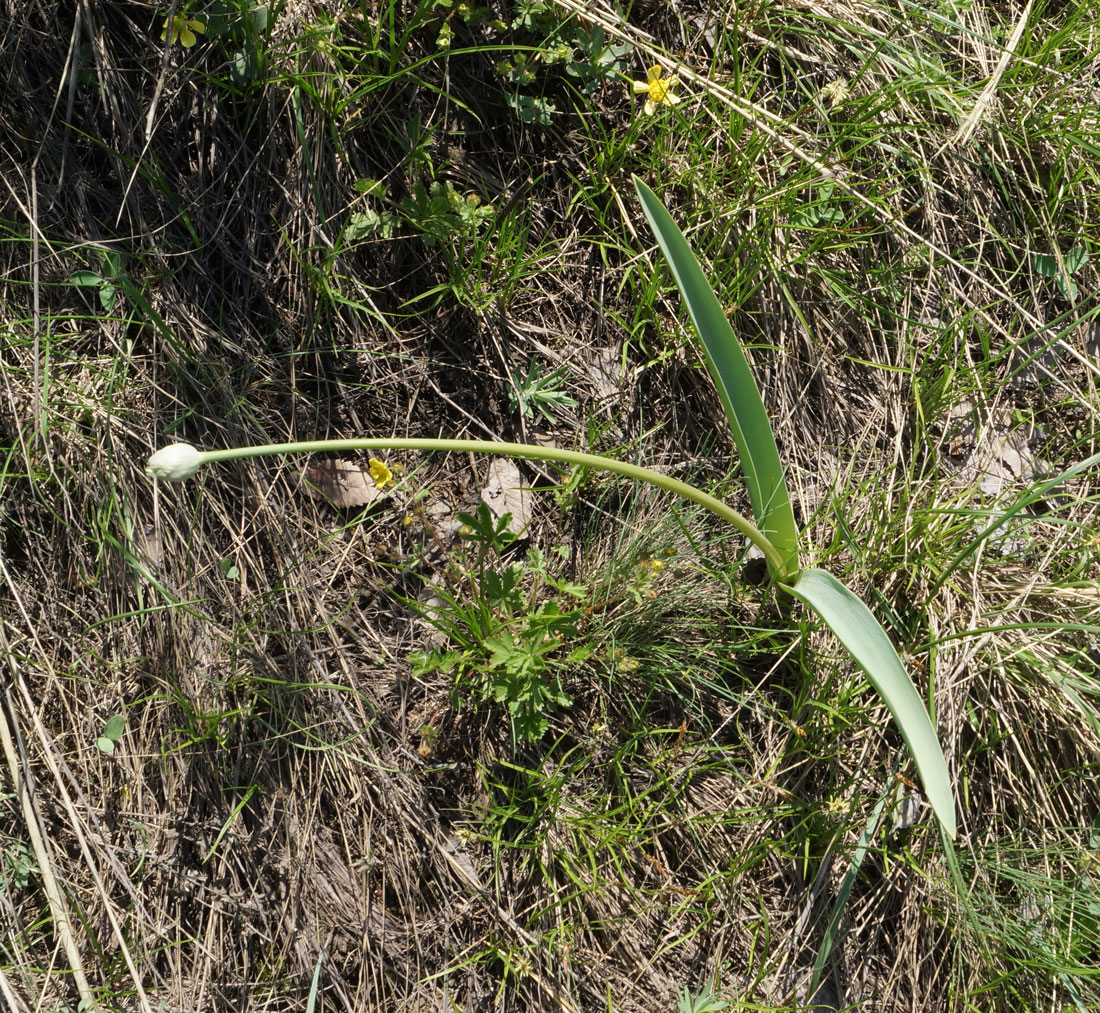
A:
x,y
183,30
658,88
383,477
836,804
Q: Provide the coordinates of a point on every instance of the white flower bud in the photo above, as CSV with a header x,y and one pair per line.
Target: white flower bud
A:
x,y
175,463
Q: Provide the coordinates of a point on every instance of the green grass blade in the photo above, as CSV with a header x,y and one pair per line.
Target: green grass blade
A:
x,y
832,928
866,640
752,432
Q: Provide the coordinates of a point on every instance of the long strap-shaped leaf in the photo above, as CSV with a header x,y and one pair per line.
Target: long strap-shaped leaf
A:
x,y
868,643
752,433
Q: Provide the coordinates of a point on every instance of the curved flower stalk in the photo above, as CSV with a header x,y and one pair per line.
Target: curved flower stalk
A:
x,y
180,461
846,615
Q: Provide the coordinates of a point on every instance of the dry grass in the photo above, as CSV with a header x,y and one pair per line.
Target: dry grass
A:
x,y
286,793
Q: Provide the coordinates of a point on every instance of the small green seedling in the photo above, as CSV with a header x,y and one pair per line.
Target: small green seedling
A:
x,y
532,110
105,279
370,223
112,732
538,391
243,26
706,1001
17,862
439,211
820,213
1046,264
511,627
598,60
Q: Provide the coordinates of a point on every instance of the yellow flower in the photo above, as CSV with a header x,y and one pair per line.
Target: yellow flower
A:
x,y
658,88
383,477
183,30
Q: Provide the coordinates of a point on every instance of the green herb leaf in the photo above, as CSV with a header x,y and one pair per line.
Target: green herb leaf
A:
x,y
115,727
740,396
866,640
1077,258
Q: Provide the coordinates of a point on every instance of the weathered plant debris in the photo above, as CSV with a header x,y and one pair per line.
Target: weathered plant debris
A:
x,y
505,492
343,483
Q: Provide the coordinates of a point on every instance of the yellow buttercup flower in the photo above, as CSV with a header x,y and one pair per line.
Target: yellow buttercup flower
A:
x,y
383,477
658,88
183,29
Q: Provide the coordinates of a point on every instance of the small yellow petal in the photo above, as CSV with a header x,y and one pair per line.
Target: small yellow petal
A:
x,y
187,37
197,26
650,107
383,477
654,73
640,87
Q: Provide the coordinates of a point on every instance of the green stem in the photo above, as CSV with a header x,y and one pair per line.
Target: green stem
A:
x,y
573,457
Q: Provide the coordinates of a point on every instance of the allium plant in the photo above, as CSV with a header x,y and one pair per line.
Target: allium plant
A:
x,y
773,530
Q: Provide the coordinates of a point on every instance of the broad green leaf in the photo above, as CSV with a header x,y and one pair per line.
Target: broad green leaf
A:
x,y
115,727
866,640
86,278
1047,265
112,263
105,745
752,433
1044,264
1077,258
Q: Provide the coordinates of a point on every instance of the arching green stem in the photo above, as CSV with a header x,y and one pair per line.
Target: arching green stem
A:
x,y
536,453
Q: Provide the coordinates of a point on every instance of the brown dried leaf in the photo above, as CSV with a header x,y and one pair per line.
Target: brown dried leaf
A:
x,y
343,483
998,455
505,492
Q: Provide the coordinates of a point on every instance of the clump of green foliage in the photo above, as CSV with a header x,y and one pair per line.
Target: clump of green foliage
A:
x,y
513,629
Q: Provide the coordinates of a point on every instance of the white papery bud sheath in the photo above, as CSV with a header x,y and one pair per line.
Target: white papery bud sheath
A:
x,y
175,462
